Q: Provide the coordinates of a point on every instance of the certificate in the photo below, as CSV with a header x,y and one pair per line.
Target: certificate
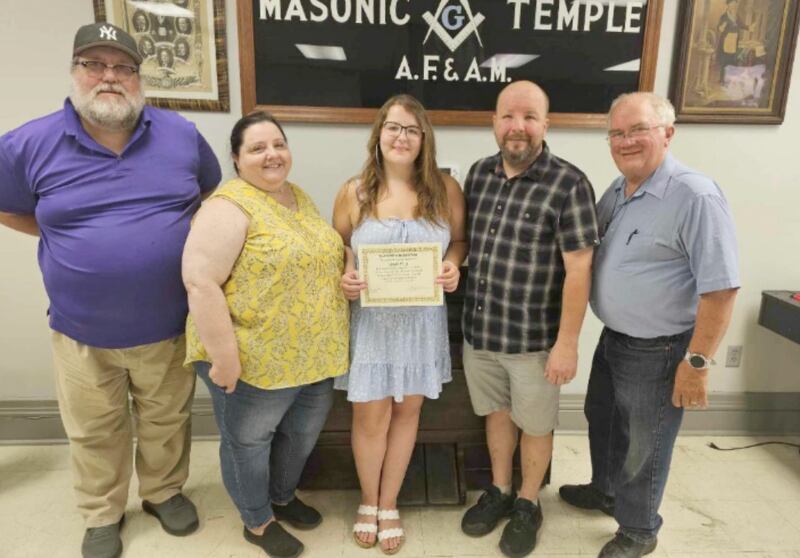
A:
x,y
401,274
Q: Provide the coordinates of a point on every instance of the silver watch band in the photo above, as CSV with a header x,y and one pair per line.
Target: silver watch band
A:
x,y
693,358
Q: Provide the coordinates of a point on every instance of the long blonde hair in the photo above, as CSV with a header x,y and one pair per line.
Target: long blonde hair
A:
x,y
432,202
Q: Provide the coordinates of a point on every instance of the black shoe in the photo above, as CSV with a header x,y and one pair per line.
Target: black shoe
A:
x,y
492,506
276,541
103,542
625,547
297,514
587,497
519,535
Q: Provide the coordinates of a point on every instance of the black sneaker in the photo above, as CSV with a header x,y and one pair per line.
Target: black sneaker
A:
x,y
519,535
622,546
276,541
297,514
492,506
587,497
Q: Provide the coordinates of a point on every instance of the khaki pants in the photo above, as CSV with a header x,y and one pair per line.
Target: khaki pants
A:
x,y
93,386
513,382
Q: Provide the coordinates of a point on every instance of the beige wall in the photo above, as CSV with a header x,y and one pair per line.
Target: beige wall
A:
x,y
755,165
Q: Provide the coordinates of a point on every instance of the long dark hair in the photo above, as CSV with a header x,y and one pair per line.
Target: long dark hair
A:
x,y
241,126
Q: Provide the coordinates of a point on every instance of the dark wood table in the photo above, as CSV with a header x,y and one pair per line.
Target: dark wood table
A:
x,y
780,313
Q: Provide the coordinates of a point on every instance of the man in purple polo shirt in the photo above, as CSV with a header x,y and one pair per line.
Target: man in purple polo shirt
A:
x,y
110,185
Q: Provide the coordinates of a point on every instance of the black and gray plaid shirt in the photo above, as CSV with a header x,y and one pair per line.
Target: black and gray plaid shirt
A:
x,y
517,230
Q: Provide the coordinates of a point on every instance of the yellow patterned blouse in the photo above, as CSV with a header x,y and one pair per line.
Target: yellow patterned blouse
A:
x,y
289,315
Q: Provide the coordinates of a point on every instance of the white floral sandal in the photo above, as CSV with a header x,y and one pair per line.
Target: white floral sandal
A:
x,y
393,533
365,527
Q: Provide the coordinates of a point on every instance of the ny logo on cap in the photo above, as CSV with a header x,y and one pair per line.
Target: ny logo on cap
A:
x,y
107,32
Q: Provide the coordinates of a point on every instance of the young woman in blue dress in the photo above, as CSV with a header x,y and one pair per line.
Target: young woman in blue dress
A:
x,y
398,355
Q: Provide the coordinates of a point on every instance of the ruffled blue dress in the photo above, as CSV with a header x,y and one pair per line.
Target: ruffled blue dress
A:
x,y
396,352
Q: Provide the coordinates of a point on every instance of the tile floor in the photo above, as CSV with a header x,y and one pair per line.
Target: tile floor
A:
x,y
718,504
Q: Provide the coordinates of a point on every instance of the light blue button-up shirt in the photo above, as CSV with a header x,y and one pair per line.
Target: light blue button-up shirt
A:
x,y
670,242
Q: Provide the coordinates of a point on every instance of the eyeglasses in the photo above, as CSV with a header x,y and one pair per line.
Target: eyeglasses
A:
x,y
97,69
637,132
394,129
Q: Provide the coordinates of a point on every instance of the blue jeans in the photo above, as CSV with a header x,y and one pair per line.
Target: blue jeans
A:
x,y
633,424
266,438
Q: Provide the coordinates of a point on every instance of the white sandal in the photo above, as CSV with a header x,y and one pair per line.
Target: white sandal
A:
x,y
365,527
393,533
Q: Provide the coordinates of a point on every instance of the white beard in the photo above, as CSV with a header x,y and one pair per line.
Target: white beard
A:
x,y
111,114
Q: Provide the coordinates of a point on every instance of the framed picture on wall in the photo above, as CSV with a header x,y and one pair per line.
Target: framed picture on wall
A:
x,y
338,61
182,43
734,60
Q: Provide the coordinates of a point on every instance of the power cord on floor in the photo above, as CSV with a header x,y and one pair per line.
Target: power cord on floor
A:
x,y
712,445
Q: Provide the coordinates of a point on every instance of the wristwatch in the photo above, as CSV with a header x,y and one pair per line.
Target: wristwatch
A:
x,y
698,361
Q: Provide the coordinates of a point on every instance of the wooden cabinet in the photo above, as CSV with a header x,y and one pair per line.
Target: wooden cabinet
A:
x,y
450,456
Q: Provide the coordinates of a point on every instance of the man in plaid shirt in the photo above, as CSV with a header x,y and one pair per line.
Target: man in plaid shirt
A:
x,y
532,229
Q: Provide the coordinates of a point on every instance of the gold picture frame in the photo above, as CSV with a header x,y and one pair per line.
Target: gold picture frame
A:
x,y
733,60
185,64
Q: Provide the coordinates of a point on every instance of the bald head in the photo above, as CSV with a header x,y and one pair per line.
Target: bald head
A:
x,y
520,123
519,89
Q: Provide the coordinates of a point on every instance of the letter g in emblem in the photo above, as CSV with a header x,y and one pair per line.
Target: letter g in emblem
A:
x,y
450,22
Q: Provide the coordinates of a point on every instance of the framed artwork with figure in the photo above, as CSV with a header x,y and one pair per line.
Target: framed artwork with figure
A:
x,y
733,60
182,43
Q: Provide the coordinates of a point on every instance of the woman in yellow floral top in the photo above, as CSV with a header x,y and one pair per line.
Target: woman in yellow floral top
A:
x,y
268,329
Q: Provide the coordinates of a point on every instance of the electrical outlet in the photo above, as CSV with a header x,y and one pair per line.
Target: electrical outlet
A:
x,y
733,358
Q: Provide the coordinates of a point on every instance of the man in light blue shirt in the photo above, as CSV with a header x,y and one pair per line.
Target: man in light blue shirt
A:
x,y
664,283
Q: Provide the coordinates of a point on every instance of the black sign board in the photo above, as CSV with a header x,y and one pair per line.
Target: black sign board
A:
x,y
339,60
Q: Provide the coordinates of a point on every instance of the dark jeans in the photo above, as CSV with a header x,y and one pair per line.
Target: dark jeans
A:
x,y
633,424
266,438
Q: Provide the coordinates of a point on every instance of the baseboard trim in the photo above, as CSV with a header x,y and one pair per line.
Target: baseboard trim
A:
x,y
733,414
770,413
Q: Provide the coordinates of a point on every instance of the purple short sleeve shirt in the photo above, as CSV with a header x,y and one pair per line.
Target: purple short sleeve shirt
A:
x,y
112,227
